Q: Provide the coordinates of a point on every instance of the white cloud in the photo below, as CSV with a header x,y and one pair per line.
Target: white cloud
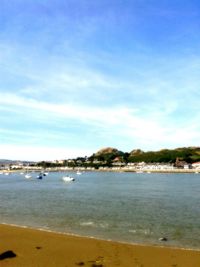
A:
x,y
39,153
92,115
148,131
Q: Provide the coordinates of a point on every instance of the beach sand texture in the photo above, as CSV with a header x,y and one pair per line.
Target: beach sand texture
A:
x,y
41,249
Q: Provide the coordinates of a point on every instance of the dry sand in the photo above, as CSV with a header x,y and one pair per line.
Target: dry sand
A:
x,y
45,249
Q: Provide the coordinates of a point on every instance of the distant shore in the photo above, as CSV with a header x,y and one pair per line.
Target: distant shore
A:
x,y
65,169
22,247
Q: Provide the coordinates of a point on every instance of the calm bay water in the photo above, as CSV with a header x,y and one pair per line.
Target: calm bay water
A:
x,y
130,207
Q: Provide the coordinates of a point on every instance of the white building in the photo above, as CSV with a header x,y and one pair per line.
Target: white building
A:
x,y
196,165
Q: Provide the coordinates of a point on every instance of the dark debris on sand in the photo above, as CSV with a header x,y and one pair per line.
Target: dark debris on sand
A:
x,y
7,254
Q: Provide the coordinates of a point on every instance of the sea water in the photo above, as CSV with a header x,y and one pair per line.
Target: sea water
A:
x,y
127,207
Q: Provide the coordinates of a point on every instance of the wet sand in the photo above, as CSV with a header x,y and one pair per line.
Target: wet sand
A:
x,y
23,247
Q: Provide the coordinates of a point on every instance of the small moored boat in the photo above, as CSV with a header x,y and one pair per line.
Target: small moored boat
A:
x,y
27,176
68,179
40,176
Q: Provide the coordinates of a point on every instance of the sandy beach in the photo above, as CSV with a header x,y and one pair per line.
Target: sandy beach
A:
x,y
28,247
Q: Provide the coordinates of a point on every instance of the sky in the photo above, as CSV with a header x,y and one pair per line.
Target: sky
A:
x,y
80,75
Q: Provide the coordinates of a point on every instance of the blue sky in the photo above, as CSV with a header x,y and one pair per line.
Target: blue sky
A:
x,y
79,75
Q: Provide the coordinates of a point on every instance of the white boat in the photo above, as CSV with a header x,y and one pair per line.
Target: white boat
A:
x,y
68,179
78,173
28,176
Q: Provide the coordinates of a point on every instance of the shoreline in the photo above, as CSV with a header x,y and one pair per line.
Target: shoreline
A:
x,y
64,169
44,248
102,239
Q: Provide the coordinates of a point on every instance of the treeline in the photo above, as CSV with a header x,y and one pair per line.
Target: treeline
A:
x,y
111,156
188,155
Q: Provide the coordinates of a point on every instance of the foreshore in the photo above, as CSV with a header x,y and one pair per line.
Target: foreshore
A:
x,y
25,247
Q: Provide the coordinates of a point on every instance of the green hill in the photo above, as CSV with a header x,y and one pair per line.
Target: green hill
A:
x,y
188,154
109,154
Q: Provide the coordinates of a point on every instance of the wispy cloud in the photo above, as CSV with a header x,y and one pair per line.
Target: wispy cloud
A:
x,y
116,122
